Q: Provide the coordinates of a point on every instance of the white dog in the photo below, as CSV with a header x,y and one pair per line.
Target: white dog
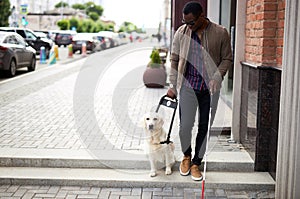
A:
x,y
156,151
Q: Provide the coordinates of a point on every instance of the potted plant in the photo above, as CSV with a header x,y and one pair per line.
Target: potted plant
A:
x,y
155,74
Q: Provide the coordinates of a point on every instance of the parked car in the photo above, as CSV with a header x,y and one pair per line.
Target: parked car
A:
x,y
15,53
124,38
112,36
64,38
104,41
44,36
33,40
90,39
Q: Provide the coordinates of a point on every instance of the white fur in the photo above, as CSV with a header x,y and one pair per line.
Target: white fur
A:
x,y
164,153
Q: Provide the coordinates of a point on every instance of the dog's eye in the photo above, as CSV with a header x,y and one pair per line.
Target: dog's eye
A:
x,y
155,119
147,118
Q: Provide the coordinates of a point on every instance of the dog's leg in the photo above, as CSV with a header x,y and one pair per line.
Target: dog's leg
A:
x,y
153,167
170,160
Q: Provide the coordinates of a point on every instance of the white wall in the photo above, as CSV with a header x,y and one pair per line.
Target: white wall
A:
x,y
213,10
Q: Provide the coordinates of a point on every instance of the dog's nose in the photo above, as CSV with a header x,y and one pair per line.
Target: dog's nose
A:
x,y
151,126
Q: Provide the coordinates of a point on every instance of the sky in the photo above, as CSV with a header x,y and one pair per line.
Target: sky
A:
x,y
142,13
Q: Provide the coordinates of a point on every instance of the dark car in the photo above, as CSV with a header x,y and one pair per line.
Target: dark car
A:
x,y
33,40
63,38
15,53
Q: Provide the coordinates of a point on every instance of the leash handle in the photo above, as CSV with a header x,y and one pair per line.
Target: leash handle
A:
x,y
170,103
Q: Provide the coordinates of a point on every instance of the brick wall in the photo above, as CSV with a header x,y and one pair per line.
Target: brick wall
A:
x,y
264,32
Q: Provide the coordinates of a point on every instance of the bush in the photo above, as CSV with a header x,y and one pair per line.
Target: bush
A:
x,y
155,59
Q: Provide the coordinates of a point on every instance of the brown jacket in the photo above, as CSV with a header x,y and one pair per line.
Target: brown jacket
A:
x,y
215,40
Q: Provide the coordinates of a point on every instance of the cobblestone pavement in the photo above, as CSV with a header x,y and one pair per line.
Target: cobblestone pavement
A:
x,y
79,109
51,114
76,192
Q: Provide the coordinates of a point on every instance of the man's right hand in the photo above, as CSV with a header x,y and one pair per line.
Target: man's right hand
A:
x,y
171,93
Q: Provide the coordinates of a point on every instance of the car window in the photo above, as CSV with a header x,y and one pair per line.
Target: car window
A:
x,y
19,40
10,40
30,35
21,32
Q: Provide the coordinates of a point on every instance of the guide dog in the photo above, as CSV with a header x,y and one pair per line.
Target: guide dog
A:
x,y
157,152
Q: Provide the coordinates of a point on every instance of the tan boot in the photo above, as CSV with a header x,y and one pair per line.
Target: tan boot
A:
x,y
195,172
185,165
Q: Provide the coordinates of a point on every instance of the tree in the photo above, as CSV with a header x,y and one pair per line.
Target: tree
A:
x,y
5,12
74,23
94,16
92,7
78,6
127,27
64,24
61,4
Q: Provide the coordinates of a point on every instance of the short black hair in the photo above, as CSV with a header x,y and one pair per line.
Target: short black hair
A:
x,y
193,7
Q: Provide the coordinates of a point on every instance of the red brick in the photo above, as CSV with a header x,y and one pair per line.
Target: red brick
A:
x,y
280,24
279,62
268,42
281,14
281,5
279,51
269,24
258,8
269,32
280,33
270,7
269,15
267,51
279,42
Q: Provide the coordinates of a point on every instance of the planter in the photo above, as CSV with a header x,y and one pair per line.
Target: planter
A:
x,y
155,77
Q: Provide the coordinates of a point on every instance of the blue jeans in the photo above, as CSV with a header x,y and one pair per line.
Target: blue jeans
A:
x,y
189,102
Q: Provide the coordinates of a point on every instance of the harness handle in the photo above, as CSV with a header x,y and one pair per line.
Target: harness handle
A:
x,y
170,103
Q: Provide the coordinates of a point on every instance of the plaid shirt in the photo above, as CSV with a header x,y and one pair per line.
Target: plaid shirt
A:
x,y
194,68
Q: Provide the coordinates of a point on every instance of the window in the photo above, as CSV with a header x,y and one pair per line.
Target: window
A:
x,y
30,35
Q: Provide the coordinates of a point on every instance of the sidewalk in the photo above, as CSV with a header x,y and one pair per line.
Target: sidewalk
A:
x,y
87,117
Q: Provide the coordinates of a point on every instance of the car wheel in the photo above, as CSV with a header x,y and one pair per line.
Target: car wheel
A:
x,y
12,69
32,64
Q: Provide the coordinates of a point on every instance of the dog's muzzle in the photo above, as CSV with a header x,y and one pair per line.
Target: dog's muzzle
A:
x,y
151,126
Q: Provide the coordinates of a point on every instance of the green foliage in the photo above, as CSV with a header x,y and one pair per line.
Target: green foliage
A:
x,y
74,22
155,59
78,6
93,23
61,4
92,7
127,27
5,12
94,16
64,24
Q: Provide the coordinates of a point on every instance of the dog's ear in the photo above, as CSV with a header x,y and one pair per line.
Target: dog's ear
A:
x,y
143,120
160,122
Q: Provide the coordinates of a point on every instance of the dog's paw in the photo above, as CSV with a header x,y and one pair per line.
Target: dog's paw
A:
x,y
152,174
168,171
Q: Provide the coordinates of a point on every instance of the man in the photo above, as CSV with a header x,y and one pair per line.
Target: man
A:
x,y
201,55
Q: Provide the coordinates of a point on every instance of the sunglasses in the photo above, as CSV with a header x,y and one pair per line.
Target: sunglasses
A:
x,y
190,23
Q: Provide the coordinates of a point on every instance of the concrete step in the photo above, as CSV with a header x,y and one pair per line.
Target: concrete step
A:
x,y
132,178
61,158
